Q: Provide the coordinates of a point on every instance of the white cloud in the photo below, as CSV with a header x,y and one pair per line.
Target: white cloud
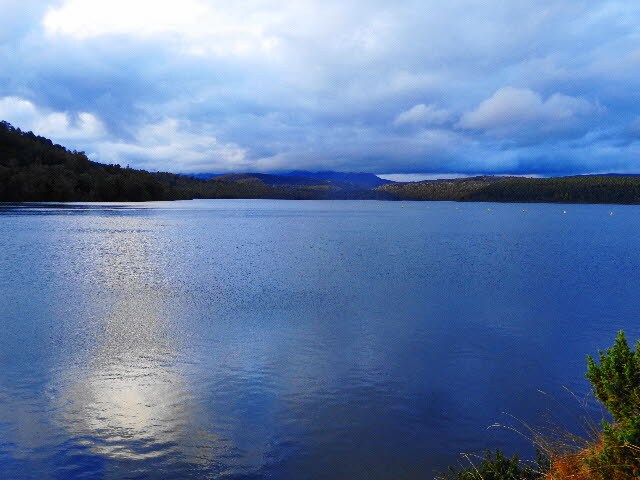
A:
x,y
59,126
199,26
170,145
520,110
417,177
324,84
423,114
166,145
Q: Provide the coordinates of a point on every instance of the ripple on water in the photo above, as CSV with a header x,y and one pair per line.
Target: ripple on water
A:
x,y
268,339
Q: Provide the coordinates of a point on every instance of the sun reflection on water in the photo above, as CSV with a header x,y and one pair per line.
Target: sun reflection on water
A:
x,y
131,396
129,399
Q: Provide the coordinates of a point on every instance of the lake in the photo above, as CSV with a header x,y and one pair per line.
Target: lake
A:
x,y
300,339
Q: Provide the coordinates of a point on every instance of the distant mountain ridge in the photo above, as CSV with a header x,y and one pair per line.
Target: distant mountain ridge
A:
x,y
34,169
356,180
360,179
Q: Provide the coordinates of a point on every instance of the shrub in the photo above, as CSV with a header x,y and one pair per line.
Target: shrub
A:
x,y
613,455
616,380
495,466
616,383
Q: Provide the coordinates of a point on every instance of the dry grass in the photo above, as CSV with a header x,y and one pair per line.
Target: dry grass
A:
x,y
573,465
569,455
576,466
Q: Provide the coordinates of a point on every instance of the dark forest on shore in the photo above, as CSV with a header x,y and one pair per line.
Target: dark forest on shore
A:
x,y
34,169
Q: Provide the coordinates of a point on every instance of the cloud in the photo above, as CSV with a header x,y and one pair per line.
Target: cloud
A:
x,y
151,146
633,129
522,112
418,177
359,85
171,141
423,114
199,26
60,126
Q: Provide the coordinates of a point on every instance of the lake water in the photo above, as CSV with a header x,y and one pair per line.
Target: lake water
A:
x,y
299,340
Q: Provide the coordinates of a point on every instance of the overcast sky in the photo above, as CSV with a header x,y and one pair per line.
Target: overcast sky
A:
x,y
519,86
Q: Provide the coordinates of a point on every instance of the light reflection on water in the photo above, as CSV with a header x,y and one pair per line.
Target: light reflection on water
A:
x,y
275,339
130,388
127,398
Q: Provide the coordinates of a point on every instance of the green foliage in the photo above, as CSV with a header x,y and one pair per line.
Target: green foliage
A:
x,y
33,168
616,380
577,189
616,383
495,466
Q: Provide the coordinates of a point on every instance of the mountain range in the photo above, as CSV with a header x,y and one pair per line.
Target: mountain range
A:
x,y
350,180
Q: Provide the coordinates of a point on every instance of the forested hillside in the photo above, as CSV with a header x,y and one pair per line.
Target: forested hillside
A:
x,y
576,189
33,168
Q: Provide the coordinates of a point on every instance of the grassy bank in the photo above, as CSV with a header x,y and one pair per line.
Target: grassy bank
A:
x,y
613,453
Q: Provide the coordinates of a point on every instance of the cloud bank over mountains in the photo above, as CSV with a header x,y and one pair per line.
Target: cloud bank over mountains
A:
x,y
526,87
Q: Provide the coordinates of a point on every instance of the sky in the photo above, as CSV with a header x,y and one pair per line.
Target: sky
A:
x,y
403,87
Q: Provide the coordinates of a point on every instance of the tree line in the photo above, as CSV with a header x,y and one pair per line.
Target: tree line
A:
x,y
34,169
574,189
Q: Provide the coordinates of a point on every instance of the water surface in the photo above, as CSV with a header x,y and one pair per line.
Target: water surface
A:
x,y
294,340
